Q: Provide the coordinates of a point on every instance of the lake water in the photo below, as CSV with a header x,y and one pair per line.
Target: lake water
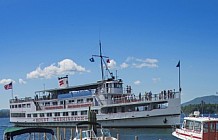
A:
x,y
125,134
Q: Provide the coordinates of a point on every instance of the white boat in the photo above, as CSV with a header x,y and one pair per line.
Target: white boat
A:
x,y
115,104
30,133
90,134
197,128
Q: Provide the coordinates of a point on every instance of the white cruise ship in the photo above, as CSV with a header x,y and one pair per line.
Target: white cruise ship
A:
x,y
115,106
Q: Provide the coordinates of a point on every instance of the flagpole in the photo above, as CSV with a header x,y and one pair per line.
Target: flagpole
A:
x,y
178,65
12,91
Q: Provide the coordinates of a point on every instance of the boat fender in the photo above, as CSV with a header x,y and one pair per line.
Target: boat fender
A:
x,y
165,120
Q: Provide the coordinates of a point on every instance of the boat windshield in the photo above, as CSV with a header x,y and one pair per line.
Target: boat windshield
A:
x,y
106,132
87,134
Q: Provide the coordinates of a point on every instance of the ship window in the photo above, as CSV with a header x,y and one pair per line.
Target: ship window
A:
x,y
96,111
15,106
89,100
49,114
197,126
189,125
65,113
205,127
71,101
41,115
28,105
216,126
84,112
73,113
23,105
55,103
57,113
29,115
61,102
19,106
35,115
18,114
212,127
47,103
80,101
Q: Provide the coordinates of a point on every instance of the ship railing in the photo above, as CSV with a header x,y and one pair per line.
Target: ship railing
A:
x,y
87,104
147,97
78,105
20,100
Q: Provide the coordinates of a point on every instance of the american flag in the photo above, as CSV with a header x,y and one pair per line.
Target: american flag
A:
x,y
8,86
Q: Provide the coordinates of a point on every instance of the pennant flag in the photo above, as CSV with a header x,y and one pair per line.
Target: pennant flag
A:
x,y
8,86
178,65
92,59
108,60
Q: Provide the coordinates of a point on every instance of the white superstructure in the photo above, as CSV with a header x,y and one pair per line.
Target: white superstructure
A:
x,y
115,105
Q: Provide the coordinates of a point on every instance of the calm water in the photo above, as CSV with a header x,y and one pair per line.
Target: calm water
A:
x,y
125,134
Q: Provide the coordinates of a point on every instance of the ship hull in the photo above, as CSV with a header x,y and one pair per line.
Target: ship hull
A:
x,y
165,121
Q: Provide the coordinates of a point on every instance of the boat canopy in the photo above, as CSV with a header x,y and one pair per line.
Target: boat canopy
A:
x,y
14,131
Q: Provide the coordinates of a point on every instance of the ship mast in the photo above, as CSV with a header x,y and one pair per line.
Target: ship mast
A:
x,y
102,62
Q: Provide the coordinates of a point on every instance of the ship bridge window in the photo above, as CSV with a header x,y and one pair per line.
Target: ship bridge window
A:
x,y
73,113
29,115
19,106
197,126
189,125
117,85
15,106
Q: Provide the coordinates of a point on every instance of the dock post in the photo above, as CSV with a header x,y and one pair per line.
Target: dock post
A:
x,y
136,137
81,134
64,133
58,133
71,133
118,137
45,136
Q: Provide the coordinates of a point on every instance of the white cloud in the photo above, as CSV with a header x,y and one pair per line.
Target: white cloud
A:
x,y
156,80
65,66
140,63
124,65
112,64
6,81
137,82
21,81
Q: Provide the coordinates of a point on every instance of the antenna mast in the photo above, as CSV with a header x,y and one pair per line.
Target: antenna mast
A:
x,y
102,69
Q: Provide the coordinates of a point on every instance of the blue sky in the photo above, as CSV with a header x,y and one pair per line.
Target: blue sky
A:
x,y
41,40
